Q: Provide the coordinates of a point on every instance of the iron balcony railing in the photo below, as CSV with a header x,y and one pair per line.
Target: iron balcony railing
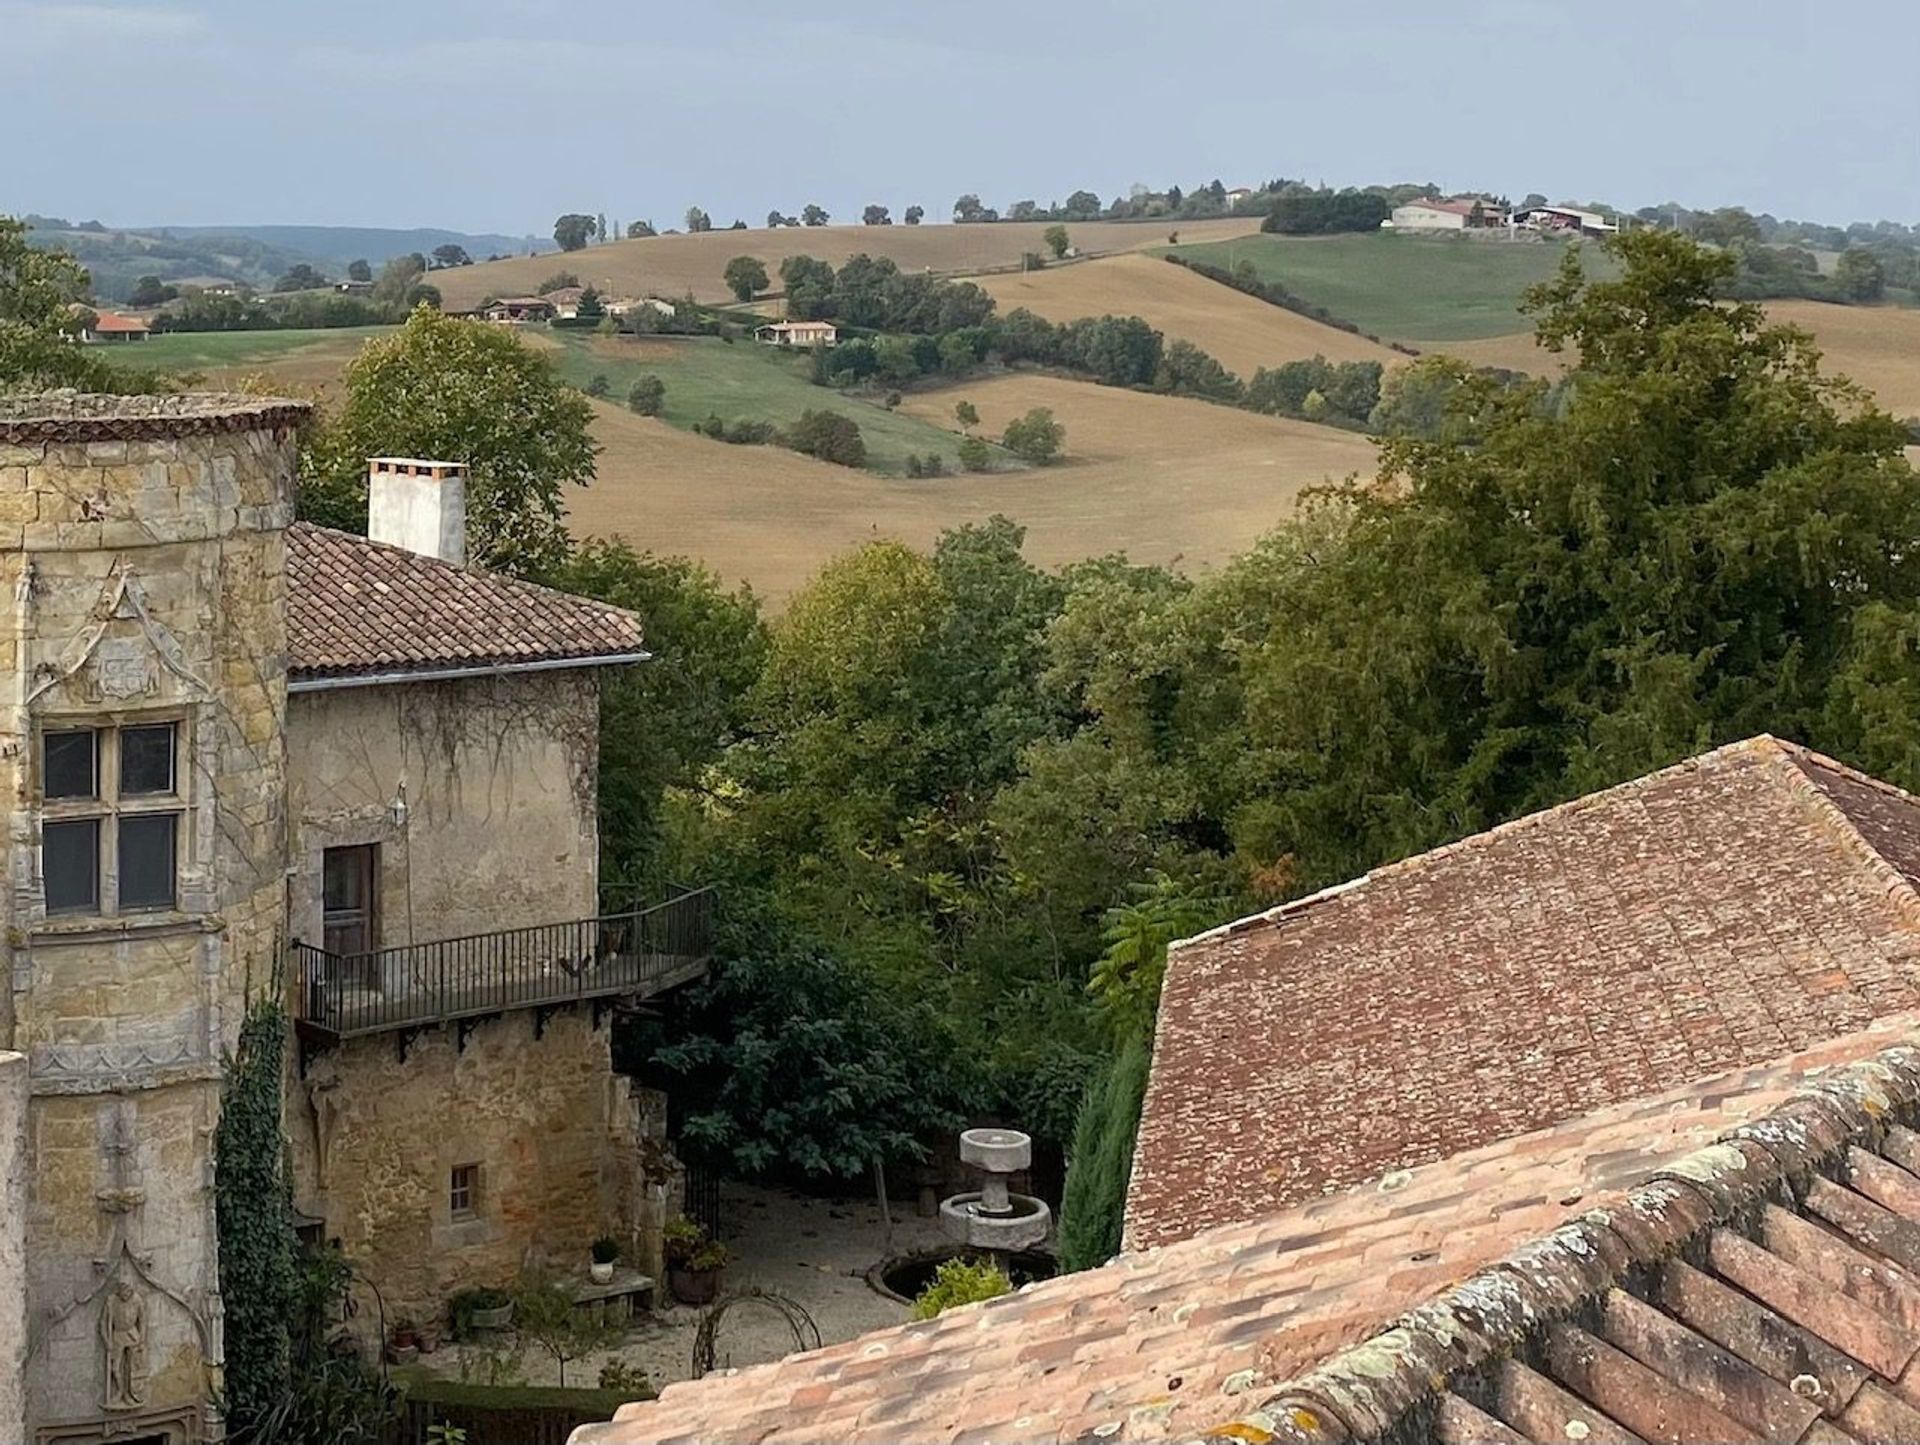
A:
x,y
641,952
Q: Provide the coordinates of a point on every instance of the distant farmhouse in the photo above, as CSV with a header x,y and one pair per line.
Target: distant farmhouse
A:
x,y
110,326
625,305
354,288
1430,213
797,333
513,310
1564,218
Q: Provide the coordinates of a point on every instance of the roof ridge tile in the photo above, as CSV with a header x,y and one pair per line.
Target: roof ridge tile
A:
x,y
1366,1390
1759,744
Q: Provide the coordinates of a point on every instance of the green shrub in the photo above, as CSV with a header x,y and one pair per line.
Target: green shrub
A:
x,y
961,1282
829,436
1035,437
975,455
1094,1202
647,396
604,1250
600,386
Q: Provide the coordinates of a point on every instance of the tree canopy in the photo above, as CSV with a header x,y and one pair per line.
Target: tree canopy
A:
x,y
464,391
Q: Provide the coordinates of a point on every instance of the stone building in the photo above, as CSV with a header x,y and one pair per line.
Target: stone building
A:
x,y
240,753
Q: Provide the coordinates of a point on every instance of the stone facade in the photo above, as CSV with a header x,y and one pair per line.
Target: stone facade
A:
x,y
144,576
479,794
172,780
13,1246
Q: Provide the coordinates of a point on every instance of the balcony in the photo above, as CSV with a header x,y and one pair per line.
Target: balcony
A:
x,y
619,955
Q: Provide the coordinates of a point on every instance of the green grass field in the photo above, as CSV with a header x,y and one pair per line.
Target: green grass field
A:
x,y
213,350
1401,288
742,381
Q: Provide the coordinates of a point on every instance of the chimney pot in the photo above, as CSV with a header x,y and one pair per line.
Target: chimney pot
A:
x,y
419,505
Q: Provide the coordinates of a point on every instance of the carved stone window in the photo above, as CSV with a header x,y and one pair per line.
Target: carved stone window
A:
x,y
112,806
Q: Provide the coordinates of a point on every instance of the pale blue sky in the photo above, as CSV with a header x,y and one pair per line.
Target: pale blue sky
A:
x,y
498,114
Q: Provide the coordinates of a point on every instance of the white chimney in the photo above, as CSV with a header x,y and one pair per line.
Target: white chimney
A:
x,y
421,506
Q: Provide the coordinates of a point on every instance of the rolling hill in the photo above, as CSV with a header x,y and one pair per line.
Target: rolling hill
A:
x,y
1163,479
1405,288
675,265
1242,332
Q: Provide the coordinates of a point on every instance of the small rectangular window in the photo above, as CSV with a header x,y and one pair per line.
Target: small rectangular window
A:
x,y
147,842
463,1191
69,767
70,860
146,760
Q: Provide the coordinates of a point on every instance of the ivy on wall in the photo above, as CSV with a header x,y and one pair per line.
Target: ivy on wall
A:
x,y
253,1201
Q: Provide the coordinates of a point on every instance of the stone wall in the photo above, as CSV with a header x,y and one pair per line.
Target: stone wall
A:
x,y
549,1124
480,792
142,567
13,1246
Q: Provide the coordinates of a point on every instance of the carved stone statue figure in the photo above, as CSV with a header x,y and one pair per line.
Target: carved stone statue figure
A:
x,y
123,1330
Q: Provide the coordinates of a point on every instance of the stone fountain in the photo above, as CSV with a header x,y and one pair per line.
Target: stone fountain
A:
x,y
994,1218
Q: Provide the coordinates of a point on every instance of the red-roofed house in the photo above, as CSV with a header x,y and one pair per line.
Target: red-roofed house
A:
x,y
110,326
1741,905
1433,214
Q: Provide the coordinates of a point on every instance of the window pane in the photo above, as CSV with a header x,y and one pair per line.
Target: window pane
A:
x,y
70,863
67,769
146,759
146,860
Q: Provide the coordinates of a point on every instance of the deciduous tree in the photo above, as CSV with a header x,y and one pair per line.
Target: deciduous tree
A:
x,y
813,214
461,390
572,231
745,277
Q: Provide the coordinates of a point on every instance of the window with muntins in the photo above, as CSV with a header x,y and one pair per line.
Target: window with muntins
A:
x,y
111,811
463,1191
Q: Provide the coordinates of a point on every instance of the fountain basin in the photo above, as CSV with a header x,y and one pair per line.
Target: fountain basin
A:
x,y
1025,1223
998,1151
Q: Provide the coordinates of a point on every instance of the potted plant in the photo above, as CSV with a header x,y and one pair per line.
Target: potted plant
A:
x,y
694,1261
604,1254
403,1342
484,1308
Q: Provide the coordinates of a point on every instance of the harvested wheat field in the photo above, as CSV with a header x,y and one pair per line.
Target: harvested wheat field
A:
x,y
1160,478
1878,346
1511,353
675,265
1241,332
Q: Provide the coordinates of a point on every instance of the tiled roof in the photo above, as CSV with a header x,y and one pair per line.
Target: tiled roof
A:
x,y
32,419
111,321
1718,913
1766,1288
357,607
1234,1330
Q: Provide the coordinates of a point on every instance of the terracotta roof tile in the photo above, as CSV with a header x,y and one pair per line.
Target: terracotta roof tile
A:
x,y
1175,1341
1725,911
358,607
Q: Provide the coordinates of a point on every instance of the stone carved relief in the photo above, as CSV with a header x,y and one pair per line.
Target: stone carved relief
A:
x,y
123,653
127,1282
123,1333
